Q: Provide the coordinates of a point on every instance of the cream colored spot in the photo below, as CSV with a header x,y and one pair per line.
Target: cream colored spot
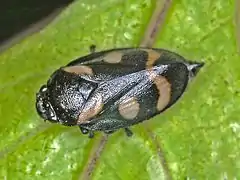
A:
x,y
152,57
129,108
79,70
113,57
91,109
164,90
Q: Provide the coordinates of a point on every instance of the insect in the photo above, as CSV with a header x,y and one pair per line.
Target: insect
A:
x,y
115,89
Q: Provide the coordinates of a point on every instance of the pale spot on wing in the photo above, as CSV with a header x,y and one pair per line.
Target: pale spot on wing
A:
x,y
79,70
152,57
92,108
129,108
164,90
113,57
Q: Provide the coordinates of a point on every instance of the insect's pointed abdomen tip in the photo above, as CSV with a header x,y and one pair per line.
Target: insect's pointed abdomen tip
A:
x,y
200,64
194,67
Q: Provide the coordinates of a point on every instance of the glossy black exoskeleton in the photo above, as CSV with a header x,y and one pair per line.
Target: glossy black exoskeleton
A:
x,y
113,89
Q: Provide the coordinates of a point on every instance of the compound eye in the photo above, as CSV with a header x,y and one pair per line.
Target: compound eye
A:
x,y
43,89
45,110
44,107
50,112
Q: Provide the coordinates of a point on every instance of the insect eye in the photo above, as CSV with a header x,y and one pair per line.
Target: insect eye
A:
x,y
43,89
44,107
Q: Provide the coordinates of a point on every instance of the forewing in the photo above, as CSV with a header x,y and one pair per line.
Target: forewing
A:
x,y
107,65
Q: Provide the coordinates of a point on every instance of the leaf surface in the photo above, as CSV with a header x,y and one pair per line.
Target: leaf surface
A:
x,y
198,138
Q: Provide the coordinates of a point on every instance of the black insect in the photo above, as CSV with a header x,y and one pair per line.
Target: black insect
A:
x,y
113,89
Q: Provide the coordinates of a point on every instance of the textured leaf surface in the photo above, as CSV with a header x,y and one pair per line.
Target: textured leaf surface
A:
x,y
199,137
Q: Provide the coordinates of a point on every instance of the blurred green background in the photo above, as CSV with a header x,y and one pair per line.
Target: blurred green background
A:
x,y
199,137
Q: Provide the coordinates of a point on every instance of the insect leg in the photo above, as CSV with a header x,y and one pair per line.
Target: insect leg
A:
x,y
83,130
92,48
128,132
91,134
86,131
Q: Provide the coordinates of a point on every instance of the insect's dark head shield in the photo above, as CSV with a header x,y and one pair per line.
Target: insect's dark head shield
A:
x,y
43,105
63,97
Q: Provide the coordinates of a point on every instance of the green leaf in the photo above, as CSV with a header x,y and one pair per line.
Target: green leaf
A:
x,y
198,138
